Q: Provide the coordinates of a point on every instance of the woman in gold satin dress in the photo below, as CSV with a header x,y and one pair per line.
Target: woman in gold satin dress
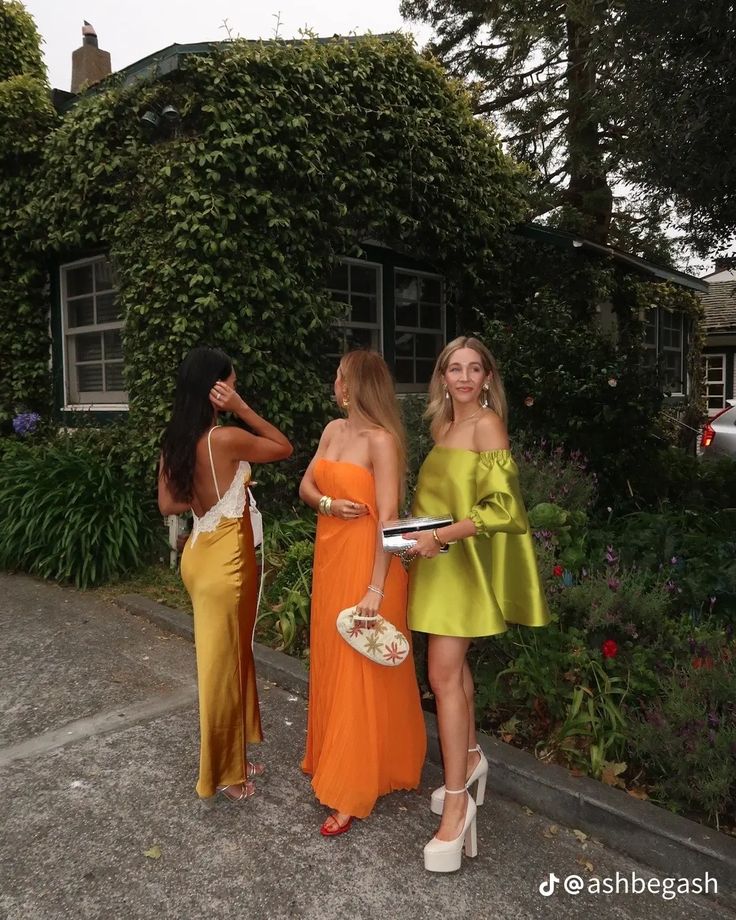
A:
x,y
487,579
365,728
206,468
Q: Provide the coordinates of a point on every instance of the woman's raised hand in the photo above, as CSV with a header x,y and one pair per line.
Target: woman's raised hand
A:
x,y
347,510
226,399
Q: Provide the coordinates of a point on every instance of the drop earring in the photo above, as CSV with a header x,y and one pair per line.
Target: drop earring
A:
x,y
447,392
484,396
345,400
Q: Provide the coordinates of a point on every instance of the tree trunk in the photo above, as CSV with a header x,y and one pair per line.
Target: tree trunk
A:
x,y
588,191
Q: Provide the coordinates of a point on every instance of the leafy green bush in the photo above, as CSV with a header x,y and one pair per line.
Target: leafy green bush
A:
x,y
287,596
68,514
684,736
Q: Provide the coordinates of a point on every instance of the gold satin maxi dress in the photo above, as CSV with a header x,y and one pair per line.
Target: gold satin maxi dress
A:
x,y
485,581
218,567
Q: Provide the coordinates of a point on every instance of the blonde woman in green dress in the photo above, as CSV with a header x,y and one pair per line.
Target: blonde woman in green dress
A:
x,y
488,578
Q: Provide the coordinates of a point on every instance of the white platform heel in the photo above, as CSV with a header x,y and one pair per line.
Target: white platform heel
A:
x,y
447,855
479,775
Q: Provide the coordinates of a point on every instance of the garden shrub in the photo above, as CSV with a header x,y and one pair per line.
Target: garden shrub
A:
x,y
289,549
68,514
684,735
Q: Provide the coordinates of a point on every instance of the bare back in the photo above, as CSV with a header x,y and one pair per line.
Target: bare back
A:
x,y
204,492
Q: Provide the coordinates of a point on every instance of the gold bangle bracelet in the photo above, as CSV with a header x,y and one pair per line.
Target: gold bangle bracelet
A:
x,y
437,539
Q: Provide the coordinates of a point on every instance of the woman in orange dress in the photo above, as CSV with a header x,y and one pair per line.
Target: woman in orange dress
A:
x,y
365,735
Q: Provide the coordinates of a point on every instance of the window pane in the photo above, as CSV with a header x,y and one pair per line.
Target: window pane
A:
x,y
404,371
428,346
715,372
89,347
81,312
114,377
89,377
338,280
405,345
79,281
363,280
431,316
363,309
107,308
361,338
432,290
113,344
407,313
406,286
424,371
103,276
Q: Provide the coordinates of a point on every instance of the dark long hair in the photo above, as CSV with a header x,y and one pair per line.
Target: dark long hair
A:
x,y
192,415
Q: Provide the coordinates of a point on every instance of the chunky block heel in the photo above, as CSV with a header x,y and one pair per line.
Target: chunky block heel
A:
x,y
446,855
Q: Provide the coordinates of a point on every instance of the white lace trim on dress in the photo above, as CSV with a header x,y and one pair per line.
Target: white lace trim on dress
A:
x,y
231,505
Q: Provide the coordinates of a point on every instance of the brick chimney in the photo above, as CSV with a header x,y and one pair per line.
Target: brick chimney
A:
x,y
89,63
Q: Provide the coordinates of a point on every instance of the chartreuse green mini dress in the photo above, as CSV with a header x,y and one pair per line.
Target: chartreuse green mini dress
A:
x,y
486,581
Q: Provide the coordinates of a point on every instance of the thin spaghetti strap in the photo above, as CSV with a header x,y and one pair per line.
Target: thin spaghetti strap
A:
x,y
212,465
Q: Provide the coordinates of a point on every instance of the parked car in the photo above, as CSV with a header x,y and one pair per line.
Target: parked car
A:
x,y
719,434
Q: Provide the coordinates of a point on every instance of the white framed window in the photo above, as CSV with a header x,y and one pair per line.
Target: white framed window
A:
x,y
672,351
714,374
92,331
419,304
359,286
664,342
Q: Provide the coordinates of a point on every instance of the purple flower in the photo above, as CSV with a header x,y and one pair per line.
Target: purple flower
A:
x,y
670,586
26,423
713,720
614,584
611,555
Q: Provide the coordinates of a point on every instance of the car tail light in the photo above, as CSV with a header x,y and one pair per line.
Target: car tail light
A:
x,y
708,432
708,435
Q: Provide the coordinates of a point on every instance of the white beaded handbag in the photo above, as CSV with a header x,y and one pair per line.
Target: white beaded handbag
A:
x,y
380,641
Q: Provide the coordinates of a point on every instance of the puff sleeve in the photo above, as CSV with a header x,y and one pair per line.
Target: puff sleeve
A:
x,y
499,507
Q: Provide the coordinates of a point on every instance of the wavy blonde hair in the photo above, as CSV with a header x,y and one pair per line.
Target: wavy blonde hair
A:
x,y
371,393
439,410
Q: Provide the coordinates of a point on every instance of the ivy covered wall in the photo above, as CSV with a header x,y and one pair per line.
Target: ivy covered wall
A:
x,y
287,156
26,117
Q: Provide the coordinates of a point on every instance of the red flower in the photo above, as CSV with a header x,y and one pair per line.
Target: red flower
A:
x,y
558,571
609,649
706,663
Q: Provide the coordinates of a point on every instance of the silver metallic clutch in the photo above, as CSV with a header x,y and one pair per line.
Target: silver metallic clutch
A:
x,y
392,531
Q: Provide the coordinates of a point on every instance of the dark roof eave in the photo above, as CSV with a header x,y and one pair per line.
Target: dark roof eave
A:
x,y
564,240
167,60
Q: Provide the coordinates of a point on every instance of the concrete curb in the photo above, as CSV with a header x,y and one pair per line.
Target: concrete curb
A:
x,y
667,843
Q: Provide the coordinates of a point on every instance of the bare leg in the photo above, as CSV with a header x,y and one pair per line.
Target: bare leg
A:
x,y
447,678
469,690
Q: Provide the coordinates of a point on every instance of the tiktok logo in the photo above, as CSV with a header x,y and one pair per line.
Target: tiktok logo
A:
x,y
547,887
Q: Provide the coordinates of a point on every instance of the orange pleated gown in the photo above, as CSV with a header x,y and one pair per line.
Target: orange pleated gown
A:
x,y
365,730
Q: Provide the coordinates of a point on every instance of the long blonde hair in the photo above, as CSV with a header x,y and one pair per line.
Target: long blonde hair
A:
x,y
439,410
371,393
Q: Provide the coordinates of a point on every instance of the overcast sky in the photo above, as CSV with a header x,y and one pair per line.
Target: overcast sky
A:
x,y
132,29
